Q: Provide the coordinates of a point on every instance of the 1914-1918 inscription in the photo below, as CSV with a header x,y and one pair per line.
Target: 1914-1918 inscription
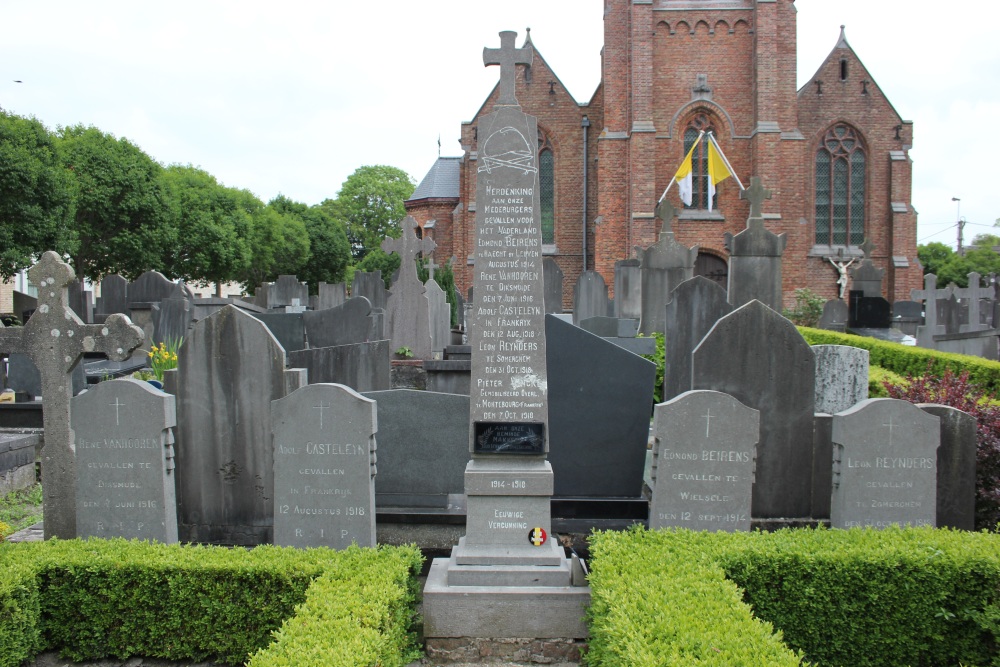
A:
x,y
509,438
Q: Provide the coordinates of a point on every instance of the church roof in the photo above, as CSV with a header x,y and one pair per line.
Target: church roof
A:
x,y
440,182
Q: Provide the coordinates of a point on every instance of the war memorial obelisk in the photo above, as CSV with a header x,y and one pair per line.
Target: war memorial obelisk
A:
x,y
508,577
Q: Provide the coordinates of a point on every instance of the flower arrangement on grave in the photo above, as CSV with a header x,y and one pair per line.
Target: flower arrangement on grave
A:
x,y
163,357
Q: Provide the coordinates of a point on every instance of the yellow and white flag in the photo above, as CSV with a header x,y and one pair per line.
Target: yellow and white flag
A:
x,y
718,169
683,177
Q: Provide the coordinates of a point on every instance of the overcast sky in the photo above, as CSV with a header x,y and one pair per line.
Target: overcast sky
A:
x,y
292,98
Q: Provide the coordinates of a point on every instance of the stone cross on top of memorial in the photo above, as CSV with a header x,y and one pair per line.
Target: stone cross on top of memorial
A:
x,y
55,339
755,255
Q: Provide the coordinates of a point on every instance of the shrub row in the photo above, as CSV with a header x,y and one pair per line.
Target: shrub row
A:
x,y
866,598
114,598
905,360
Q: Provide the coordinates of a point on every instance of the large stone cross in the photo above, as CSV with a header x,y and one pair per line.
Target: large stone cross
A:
x,y
508,56
55,339
666,212
407,248
756,194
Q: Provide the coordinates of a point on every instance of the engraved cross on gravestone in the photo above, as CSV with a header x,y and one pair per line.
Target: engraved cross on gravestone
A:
x,y
55,339
756,194
508,56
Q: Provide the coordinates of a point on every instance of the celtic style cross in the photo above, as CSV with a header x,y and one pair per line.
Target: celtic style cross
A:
x,y
867,247
666,212
407,248
756,194
508,56
55,339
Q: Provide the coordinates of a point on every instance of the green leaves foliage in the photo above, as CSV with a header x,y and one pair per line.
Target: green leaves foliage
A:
x,y
370,203
329,250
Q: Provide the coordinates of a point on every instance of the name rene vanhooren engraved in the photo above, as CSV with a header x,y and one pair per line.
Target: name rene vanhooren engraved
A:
x,y
119,443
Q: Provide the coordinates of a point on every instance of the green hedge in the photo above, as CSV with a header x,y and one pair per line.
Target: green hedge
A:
x,y
115,598
914,596
906,360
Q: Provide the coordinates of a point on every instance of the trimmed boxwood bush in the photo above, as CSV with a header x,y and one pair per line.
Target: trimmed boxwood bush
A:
x,y
913,596
114,598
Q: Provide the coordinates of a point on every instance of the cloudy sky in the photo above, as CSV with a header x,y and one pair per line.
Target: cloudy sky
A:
x,y
291,99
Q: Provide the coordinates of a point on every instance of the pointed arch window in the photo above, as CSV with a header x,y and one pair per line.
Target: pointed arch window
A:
x,y
840,188
546,192
699,161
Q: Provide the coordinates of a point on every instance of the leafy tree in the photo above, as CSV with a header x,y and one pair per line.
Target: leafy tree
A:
x,y
330,252
808,308
370,203
379,260
214,227
986,240
933,255
123,217
280,245
36,195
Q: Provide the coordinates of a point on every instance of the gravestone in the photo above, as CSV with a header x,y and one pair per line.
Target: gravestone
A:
x,y
884,465
114,295
439,318
286,291
171,320
81,302
590,297
628,289
599,401
907,316
229,369
324,468
835,316
23,376
956,467
407,310
693,309
703,462
55,339
346,324
869,312
553,286
360,366
822,472
507,577
122,433
330,295
929,296
755,255
841,377
423,447
760,359
17,461
866,277
664,265
153,287
371,286
288,328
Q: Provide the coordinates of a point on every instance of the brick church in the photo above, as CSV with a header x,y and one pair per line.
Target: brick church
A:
x,y
834,153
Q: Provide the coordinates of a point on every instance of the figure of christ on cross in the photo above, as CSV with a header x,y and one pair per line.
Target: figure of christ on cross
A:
x,y
508,56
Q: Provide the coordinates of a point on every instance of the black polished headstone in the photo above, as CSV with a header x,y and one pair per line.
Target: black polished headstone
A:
x,y
288,328
869,312
956,467
553,277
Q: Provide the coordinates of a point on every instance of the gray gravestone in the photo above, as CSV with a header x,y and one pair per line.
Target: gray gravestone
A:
x,y
755,256
287,291
153,287
423,447
23,375
665,265
703,462
81,302
288,328
407,316
55,339
324,468
17,461
694,307
867,277
372,287
171,320
230,368
628,289
610,327
822,472
884,465
956,467
439,318
758,357
360,366
553,276
835,315
841,377
330,295
599,401
122,432
346,324
114,295
590,297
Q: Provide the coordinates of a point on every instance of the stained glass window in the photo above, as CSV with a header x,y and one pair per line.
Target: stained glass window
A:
x,y
840,188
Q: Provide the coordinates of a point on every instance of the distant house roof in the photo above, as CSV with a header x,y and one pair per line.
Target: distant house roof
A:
x,y
440,182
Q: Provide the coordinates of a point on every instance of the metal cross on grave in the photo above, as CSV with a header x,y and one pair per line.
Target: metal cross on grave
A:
x,y
508,56
756,194
407,247
55,339
666,212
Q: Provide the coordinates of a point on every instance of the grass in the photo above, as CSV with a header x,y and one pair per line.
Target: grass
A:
x,y
20,509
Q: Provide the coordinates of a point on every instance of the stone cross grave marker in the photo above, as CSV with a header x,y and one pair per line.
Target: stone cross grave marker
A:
x,y
665,265
55,339
884,465
756,194
703,462
431,265
508,56
407,308
755,255
324,467
125,462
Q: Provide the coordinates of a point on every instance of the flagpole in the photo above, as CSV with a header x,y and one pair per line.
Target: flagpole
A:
x,y
672,180
732,171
